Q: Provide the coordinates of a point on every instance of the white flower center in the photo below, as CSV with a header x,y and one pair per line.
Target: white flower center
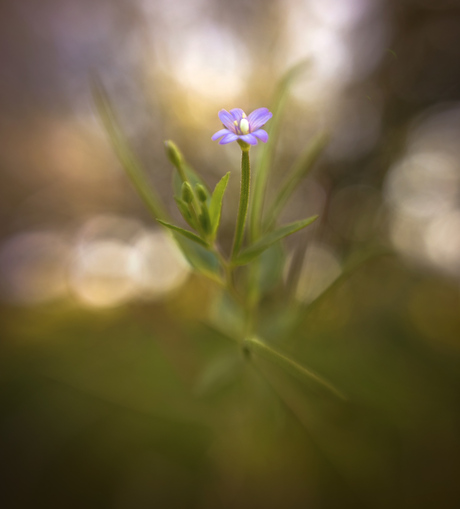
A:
x,y
244,125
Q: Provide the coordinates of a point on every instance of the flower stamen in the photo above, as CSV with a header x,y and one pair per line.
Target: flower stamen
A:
x,y
244,126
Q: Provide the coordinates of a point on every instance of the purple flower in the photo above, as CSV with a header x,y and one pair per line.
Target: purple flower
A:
x,y
238,126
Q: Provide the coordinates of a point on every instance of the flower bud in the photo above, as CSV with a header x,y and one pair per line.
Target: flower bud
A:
x,y
205,220
187,193
184,210
201,192
174,154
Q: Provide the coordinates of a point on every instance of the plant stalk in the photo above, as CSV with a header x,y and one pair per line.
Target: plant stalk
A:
x,y
244,202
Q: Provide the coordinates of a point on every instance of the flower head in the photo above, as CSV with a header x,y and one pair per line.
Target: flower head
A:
x,y
238,126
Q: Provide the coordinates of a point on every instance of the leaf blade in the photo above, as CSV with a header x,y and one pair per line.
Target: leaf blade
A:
x,y
302,166
215,208
182,206
265,242
186,233
303,374
126,156
263,167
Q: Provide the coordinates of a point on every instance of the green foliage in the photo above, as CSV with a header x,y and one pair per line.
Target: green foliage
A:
x,y
128,160
189,235
262,249
215,208
258,347
248,254
262,170
184,210
203,260
301,168
270,267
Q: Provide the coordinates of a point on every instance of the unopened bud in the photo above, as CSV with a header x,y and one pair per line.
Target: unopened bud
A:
x,y
174,154
187,193
205,220
201,192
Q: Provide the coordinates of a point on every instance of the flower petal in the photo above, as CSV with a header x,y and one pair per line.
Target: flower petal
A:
x,y
219,134
228,138
249,138
237,114
227,119
261,134
258,118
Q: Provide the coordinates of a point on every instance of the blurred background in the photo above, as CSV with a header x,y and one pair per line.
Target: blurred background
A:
x,y
112,392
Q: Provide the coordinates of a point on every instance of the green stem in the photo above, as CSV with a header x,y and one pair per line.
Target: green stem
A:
x,y
244,202
255,345
230,284
180,169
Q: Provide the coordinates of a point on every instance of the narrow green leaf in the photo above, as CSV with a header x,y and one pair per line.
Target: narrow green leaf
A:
x,y
215,208
128,160
201,259
301,168
302,373
185,233
271,263
262,169
263,166
183,209
262,244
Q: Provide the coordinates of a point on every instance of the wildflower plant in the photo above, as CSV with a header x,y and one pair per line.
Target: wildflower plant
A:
x,y
258,236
